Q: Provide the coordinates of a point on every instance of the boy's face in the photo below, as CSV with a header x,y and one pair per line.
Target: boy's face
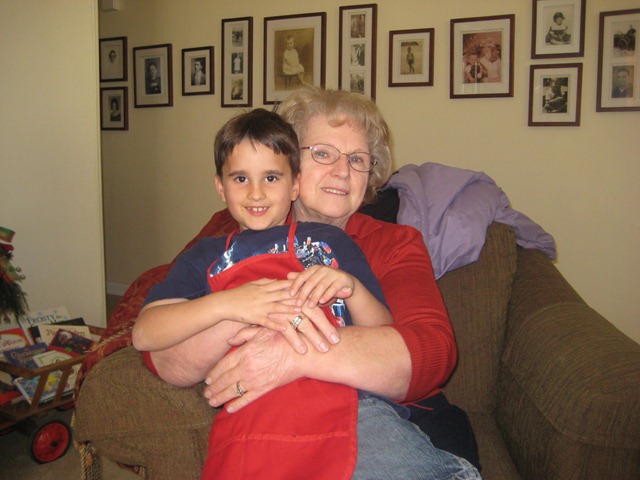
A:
x,y
257,186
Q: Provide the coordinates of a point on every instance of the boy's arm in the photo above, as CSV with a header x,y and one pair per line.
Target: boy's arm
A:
x,y
365,309
166,323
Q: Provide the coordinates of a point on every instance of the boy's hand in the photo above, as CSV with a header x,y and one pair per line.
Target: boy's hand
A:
x,y
318,285
254,303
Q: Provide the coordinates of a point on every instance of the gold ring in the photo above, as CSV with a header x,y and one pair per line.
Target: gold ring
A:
x,y
297,321
239,390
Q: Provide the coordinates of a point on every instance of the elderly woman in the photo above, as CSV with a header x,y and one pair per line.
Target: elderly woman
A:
x,y
408,361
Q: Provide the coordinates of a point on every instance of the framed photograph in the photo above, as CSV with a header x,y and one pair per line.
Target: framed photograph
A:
x,y
411,58
114,108
482,57
237,62
618,62
555,93
153,76
357,53
294,54
558,28
113,59
197,71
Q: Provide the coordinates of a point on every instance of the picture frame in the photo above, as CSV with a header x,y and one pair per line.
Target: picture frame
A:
x,y
618,62
114,108
197,71
294,54
237,62
482,54
558,28
113,59
411,57
555,95
153,76
357,52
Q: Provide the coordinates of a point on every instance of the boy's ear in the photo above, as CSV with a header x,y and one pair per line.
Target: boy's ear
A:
x,y
295,190
218,182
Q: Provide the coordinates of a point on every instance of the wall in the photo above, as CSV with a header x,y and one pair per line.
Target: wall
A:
x,y
50,152
578,183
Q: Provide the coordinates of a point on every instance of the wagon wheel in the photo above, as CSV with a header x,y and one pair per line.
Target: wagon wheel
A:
x,y
50,441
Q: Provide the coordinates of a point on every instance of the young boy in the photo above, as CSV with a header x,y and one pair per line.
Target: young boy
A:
x,y
307,425
257,163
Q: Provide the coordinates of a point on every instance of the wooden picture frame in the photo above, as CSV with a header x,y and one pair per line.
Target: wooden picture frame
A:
x,y
411,57
558,28
197,71
618,62
114,108
237,62
357,53
153,76
555,93
113,59
482,56
294,54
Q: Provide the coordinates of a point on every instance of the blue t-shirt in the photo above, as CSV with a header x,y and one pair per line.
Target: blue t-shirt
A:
x,y
315,244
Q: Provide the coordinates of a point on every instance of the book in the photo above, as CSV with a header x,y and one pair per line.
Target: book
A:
x,y
12,338
52,356
51,315
69,342
27,386
47,332
35,329
23,356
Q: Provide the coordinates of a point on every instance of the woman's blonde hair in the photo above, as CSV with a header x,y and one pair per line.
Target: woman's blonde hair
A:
x,y
340,107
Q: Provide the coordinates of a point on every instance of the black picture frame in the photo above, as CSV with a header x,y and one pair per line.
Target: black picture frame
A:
x,y
197,71
153,76
113,59
237,62
358,37
482,56
555,95
307,32
618,62
114,118
411,57
558,28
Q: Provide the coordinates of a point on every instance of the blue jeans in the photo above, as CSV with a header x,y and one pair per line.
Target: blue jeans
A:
x,y
391,447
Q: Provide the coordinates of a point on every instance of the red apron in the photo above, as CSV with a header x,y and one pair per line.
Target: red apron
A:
x,y
306,429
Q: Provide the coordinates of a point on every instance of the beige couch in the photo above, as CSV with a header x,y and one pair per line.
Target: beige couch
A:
x,y
551,387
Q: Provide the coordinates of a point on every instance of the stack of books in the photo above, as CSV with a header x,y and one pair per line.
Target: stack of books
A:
x,y
40,339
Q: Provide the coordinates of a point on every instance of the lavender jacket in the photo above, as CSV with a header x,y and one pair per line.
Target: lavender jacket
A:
x,y
453,207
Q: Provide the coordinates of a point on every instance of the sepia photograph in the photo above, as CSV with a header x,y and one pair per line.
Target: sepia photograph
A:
x,y
294,54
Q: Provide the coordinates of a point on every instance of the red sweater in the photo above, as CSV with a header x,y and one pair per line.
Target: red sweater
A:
x,y
401,263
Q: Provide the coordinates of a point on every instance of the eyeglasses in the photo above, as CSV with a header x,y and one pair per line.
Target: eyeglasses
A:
x,y
328,155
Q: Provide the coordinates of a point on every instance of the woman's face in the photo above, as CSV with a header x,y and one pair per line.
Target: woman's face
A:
x,y
330,193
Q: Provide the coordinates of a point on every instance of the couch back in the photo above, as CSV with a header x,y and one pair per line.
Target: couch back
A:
x,y
477,299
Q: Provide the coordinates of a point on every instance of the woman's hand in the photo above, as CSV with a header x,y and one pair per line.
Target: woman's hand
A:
x,y
317,285
311,323
264,363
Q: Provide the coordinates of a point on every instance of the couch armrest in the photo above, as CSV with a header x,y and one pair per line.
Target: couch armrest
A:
x,y
569,384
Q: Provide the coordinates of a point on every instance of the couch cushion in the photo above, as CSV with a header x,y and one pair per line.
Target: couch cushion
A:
x,y
477,297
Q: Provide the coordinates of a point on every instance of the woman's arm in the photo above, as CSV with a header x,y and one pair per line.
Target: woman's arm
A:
x,y
188,338
408,360
368,358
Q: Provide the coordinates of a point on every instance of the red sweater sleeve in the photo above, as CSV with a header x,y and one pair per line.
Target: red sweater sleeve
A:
x,y
401,263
